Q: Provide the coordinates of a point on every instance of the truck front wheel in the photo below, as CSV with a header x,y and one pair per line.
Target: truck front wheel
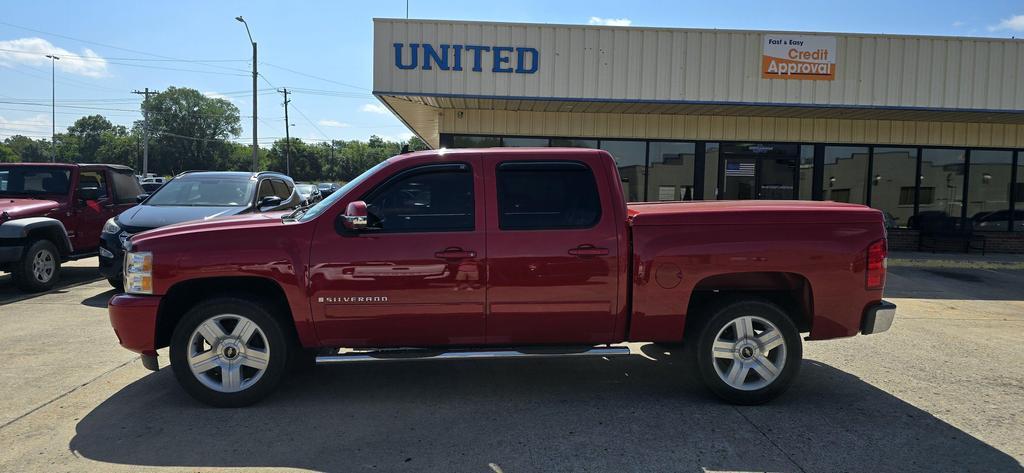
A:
x,y
229,352
39,267
748,352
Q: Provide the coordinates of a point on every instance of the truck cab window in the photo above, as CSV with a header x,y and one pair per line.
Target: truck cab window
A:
x,y
429,199
547,195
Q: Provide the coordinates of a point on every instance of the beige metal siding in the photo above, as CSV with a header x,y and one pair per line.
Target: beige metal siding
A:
x,y
730,128
593,62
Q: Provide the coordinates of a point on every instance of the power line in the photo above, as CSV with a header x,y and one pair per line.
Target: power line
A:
x,y
311,76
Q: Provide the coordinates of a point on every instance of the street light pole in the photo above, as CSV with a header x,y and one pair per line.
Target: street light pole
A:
x,y
255,141
53,107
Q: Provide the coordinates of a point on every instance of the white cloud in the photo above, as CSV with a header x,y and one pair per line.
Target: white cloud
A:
x,y
595,20
396,137
1013,23
33,51
375,108
35,126
333,124
217,95
957,24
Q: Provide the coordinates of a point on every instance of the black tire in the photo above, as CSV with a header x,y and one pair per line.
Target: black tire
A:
x,y
757,388
116,283
273,338
22,271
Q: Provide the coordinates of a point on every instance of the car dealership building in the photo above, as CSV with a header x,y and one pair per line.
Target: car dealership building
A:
x,y
927,129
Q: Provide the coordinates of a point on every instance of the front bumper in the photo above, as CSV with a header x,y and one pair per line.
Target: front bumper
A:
x,y
134,320
878,318
10,254
111,256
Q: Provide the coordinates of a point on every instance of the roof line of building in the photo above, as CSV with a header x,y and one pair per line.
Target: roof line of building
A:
x,y
708,30
380,93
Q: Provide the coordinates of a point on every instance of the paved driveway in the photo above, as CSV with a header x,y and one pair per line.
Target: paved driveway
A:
x,y
940,392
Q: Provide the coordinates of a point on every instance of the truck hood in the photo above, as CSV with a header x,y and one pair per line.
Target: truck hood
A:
x,y
145,217
246,222
19,208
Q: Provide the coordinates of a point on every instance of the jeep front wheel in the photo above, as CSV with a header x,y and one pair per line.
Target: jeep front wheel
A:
x,y
39,268
229,352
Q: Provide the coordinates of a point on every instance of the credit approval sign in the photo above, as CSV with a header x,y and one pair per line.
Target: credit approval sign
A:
x,y
804,57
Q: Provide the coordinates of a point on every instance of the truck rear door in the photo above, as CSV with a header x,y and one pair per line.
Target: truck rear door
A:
x,y
552,250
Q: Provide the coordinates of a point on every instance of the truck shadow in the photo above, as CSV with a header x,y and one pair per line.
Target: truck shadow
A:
x,y
955,283
621,414
69,276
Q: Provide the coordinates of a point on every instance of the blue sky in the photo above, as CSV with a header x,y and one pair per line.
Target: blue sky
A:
x,y
323,49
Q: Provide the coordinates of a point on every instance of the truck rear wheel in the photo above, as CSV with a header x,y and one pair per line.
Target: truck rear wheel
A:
x,y
229,352
39,268
748,352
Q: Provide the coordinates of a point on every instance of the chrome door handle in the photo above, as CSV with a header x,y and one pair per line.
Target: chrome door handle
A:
x,y
455,253
588,250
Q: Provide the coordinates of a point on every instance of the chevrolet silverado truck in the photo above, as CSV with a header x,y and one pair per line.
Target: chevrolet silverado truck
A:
x,y
496,253
52,213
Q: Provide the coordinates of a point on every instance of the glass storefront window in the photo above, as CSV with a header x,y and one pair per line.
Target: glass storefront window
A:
x,y
942,186
845,174
711,151
892,183
806,172
573,143
464,141
670,171
631,158
988,190
516,142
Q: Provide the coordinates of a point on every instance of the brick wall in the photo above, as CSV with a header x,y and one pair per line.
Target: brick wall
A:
x,y
901,239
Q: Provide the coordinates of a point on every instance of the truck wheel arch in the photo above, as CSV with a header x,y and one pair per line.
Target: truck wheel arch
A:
x,y
23,229
790,291
184,295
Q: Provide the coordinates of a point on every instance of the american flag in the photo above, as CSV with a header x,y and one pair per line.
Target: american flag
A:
x,y
733,168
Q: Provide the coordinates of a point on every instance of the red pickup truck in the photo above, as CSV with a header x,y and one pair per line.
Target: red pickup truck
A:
x,y
501,253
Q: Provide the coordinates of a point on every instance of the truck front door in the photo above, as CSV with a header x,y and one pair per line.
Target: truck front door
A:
x,y
415,276
552,251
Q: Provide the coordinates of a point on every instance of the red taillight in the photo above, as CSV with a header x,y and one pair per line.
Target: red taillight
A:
x,y
877,252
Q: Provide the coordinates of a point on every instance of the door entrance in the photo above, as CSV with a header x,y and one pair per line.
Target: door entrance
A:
x,y
768,174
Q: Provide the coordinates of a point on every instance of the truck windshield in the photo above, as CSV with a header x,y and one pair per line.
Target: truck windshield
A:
x,y
33,180
335,196
204,192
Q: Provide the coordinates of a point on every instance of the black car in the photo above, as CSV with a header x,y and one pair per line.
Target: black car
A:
x,y
326,188
151,187
192,196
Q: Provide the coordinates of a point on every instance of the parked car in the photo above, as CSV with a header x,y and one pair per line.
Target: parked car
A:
x,y
53,213
150,187
153,180
327,188
310,193
501,253
191,196
999,220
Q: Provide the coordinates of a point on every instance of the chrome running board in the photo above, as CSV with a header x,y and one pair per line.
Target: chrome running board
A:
x,y
406,354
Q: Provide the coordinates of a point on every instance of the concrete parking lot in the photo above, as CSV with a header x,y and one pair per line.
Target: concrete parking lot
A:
x,y
942,391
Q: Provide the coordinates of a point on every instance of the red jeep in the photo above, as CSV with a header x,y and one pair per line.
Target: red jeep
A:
x,y
51,213
501,253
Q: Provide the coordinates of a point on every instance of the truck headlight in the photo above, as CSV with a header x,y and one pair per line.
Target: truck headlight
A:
x,y
111,227
138,272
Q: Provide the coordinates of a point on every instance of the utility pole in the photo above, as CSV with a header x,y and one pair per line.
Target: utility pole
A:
x,y
145,129
287,136
255,141
53,107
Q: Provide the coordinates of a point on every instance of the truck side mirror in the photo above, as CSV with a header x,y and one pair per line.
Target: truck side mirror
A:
x,y
269,202
355,216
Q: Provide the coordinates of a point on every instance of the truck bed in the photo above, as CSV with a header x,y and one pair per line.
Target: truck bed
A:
x,y
811,252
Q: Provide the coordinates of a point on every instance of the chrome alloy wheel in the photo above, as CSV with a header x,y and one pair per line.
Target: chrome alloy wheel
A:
x,y
228,353
43,266
749,353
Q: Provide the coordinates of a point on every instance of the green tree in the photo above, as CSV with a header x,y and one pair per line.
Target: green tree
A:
x,y
7,155
28,149
190,130
416,144
88,135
